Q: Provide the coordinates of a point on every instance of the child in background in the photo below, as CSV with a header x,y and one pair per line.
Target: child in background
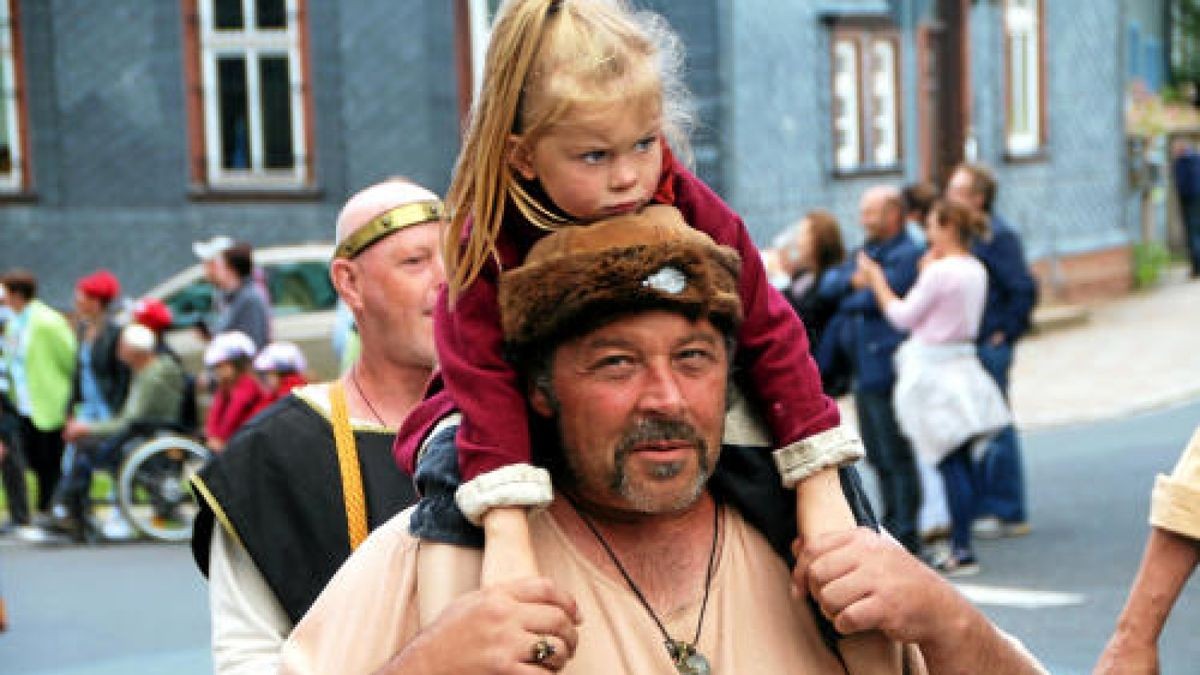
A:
x,y
238,394
281,366
578,100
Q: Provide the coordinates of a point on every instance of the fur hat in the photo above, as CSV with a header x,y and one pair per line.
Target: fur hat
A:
x,y
581,277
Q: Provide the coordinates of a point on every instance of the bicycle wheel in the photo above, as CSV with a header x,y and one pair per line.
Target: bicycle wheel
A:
x,y
152,486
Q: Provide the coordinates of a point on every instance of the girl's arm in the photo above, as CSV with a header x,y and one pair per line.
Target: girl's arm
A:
x,y
482,384
907,312
772,343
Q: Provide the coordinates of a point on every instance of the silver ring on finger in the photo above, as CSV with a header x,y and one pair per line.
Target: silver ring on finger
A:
x,y
542,650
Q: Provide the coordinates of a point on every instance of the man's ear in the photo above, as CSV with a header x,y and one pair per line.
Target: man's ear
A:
x,y
345,278
540,402
520,157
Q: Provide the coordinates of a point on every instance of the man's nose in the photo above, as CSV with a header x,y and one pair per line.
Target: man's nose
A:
x,y
660,391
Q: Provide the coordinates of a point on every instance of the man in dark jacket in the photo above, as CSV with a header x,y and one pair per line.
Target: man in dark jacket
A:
x,y
1186,167
867,342
1012,293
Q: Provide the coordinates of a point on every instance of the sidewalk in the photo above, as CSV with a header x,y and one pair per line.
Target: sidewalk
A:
x,y
1132,354
1129,355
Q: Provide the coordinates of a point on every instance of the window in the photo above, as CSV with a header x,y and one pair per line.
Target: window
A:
x,y
865,114
13,166
251,94
1024,130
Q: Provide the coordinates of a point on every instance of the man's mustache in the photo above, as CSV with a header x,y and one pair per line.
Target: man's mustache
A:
x,y
657,429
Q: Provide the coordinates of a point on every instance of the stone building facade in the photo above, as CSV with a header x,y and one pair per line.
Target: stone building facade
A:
x,y
802,104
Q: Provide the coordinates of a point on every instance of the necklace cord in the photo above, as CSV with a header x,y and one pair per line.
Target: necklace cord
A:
x,y
358,388
672,647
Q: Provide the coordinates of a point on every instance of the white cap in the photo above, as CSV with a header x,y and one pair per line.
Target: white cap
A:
x,y
228,346
279,356
139,337
207,250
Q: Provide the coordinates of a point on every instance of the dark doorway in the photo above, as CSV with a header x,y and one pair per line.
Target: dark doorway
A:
x,y
944,104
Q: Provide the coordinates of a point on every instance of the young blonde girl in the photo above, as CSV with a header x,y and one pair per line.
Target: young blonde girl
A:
x,y
579,99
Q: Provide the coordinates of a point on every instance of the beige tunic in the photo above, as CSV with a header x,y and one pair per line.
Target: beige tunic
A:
x,y
1175,503
371,609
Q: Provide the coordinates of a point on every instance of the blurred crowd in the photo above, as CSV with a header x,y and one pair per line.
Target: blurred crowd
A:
x,y
75,386
938,294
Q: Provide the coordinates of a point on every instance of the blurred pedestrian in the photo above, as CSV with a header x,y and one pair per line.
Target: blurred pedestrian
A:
x,y
155,395
867,341
101,379
1186,169
238,395
943,398
934,517
275,521
1007,316
918,197
40,348
1172,551
242,304
12,459
281,365
813,249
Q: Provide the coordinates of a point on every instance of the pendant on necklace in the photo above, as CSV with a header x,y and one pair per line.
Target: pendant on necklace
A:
x,y
687,660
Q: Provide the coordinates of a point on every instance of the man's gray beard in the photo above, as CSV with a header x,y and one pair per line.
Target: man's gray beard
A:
x,y
645,431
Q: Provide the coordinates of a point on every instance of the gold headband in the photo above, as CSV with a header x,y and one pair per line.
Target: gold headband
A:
x,y
388,222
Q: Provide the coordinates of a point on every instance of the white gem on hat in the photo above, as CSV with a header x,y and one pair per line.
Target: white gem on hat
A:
x,y
667,280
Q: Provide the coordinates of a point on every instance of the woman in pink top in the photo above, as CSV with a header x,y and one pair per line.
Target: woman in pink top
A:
x,y
945,402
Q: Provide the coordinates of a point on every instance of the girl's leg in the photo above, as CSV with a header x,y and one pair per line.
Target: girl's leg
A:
x,y
958,475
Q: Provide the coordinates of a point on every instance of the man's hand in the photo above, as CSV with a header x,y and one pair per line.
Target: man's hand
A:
x,y
74,430
862,580
996,339
3,449
495,630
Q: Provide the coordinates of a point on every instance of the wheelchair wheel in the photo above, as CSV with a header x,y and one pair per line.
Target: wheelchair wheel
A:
x,y
152,486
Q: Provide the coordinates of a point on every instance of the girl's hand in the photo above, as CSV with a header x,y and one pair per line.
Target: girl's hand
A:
x,y
868,267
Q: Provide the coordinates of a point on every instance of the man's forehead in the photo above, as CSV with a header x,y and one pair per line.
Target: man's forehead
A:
x,y
655,326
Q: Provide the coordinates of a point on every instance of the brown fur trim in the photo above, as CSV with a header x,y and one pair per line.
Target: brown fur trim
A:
x,y
583,279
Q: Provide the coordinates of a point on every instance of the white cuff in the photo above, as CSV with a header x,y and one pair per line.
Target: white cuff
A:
x,y
836,447
513,485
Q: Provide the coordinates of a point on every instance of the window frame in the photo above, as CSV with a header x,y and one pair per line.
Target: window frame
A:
x,y
473,22
1027,145
206,44
17,181
864,36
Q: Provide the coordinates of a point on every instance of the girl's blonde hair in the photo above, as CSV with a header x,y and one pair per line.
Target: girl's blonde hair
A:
x,y
544,58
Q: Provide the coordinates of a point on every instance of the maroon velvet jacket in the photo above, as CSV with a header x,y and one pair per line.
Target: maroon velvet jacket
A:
x,y
475,379
232,408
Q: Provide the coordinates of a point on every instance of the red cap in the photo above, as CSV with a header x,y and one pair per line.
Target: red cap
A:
x,y
101,285
153,314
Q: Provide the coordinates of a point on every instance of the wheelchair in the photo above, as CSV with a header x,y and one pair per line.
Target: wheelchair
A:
x,y
152,479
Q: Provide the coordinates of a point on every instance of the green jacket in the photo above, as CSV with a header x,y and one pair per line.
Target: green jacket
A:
x,y
47,344
155,394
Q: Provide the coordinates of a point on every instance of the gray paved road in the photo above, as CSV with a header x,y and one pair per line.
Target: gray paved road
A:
x,y
1089,504
136,609
104,610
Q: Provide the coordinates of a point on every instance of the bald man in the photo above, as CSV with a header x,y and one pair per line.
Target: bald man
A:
x,y
299,487
866,342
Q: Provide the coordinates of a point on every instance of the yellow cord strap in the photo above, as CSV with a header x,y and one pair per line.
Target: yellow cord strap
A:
x,y
347,453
